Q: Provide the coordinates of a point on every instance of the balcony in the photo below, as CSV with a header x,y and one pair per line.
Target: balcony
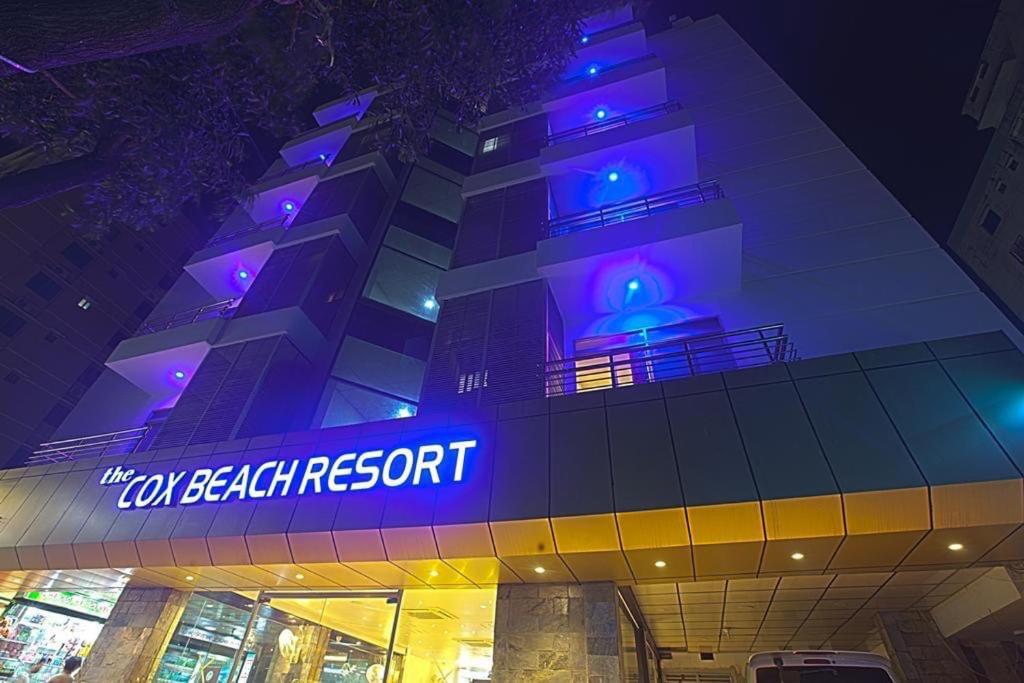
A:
x,y
623,212
673,359
93,446
614,122
269,224
220,309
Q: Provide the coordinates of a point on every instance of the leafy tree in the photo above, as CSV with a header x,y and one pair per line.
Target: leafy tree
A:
x,y
149,110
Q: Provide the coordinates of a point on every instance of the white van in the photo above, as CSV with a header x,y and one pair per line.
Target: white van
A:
x,y
818,666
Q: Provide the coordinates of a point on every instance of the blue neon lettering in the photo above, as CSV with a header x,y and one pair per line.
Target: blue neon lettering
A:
x,y
389,479
253,491
340,469
218,481
124,501
316,468
371,471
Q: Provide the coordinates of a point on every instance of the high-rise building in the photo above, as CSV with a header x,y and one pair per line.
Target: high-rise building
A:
x,y
628,383
66,300
989,232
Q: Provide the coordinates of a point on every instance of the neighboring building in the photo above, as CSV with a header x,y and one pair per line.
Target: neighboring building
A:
x,y
989,233
66,301
650,368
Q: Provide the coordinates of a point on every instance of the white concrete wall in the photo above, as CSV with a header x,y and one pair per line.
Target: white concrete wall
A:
x,y
827,250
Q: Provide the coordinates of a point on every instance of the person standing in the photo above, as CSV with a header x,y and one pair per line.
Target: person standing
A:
x,y
71,665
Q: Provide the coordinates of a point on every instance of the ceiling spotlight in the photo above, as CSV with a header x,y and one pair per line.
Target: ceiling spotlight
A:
x,y
539,570
661,564
585,39
601,113
797,556
955,546
300,577
430,303
288,206
243,274
434,573
404,412
592,71
633,285
613,176
178,374
190,578
323,157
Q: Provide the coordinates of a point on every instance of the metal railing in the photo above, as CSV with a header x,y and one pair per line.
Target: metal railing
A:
x,y
671,359
614,122
94,446
603,69
698,193
292,169
270,223
1017,250
220,309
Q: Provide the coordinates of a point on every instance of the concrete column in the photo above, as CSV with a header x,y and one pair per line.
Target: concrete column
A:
x,y
131,643
918,651
556,633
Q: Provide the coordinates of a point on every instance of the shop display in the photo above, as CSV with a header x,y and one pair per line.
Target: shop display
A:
x,y
29,632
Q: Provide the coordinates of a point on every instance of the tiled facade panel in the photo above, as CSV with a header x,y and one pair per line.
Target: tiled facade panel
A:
x,y
360,195
623,450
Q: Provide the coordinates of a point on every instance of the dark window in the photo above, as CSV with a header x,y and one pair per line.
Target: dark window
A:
x,y
390,328
450,157
12,377
1001,188
43,285
982,69
76,255
10,322
144,308
974,93
56,415
991,221
1013,164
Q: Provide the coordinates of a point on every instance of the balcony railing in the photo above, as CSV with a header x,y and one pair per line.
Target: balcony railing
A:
x,y
288,170
94,446
614,122
220,309
672,359
269,224
1017,250
698,193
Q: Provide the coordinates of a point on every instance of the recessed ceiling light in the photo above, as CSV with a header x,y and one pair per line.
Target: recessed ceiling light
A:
x,y
190,578
955,546
585,39
178,374
660,564
592,71
288,205
797,556
300,577
613,176
601,113
434,573
430,303
633,285
539,570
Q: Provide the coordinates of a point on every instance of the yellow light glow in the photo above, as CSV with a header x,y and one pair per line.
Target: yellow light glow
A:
x,y
190,578
300,577
797,556
539,570
955,546
660,564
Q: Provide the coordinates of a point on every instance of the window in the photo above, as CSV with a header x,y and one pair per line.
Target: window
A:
x,y
10,322
84,304
76,255
1001,188
350,404
991,221
472,381
491,144
43,285
982,69
974,93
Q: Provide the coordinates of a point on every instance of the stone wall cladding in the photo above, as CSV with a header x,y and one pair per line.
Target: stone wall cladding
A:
x,y
918,651
131,642
556,633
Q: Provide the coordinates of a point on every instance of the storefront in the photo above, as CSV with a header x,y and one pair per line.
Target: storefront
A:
x,y
52,626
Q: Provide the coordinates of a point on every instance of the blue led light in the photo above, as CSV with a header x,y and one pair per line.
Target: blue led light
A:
x,y
613,176
430,303
288,205
404,412
592,71
585,39
633,285
323,157
178,374
601,113
243,275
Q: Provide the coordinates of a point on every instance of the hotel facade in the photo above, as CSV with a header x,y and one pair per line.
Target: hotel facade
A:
x,y
625,384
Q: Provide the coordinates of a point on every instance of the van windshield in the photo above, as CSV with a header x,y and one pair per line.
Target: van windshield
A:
x,y
823,674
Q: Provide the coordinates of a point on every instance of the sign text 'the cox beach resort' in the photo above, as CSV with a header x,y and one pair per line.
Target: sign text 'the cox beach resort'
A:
x,y
430,464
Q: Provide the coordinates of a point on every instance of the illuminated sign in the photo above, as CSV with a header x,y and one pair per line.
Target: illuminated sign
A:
x,y
426,465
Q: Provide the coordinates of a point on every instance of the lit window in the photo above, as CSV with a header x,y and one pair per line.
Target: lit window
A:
x,y
472,381
84,304
491,144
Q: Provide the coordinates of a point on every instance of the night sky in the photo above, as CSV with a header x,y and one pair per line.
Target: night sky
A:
x,y
888,77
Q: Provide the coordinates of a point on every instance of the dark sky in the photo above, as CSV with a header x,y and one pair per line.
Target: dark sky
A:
x,y
889,77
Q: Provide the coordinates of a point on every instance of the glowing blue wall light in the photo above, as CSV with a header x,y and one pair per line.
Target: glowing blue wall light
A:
x,y
592,70
633,285
430,303
613,176
179,374
243,274
585,39
404,411
288,206
600,114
